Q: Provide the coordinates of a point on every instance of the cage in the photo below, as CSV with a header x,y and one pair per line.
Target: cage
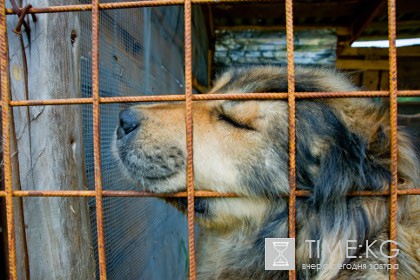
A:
x,y
67,70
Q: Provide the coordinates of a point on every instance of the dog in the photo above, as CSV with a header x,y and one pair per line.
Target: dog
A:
x,y
241,147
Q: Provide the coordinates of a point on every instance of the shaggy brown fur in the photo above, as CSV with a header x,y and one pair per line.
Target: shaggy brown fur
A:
x,y
241,146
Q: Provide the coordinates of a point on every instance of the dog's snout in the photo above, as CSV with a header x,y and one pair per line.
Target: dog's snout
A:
x,y
129,121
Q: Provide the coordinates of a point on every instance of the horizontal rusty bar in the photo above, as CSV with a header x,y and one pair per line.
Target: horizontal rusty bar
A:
x,y
409,192
124,5
408,93
378,93
41,102
49,193
240,96
143,98
114,193
202,97
178,194
87,193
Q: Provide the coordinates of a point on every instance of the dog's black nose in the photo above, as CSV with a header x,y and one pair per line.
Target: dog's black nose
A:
x,y
129,121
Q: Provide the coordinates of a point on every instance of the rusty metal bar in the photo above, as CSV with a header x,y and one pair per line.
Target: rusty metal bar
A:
x,y
125,5
393,103
5,98
115,193
142,98
189,135
202,97
401,93
291,100
97,140
408,192
41,102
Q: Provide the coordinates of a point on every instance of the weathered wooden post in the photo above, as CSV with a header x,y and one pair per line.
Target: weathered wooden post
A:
x,y
56,231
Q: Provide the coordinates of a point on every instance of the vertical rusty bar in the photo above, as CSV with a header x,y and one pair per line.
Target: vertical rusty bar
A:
x,y
97,139
189,136
394,131
5,99
292,123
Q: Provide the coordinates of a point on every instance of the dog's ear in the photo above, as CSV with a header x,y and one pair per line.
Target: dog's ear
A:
x,y
350,163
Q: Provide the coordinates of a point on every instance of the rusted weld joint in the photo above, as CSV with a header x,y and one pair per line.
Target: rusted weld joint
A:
x,y
21,13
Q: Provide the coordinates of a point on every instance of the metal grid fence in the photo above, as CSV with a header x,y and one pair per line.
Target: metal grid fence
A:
x,y
141,53
96,100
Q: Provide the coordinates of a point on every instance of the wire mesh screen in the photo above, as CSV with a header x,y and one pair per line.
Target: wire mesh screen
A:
x,y
141,53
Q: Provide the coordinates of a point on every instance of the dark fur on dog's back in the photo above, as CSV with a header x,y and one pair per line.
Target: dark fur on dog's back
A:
x,y
343,145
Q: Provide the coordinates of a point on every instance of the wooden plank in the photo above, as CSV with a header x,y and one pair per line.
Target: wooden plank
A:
x,y
50,148
20,235
384,80
362,64
20,228
367,12
371,80
275,9
413,51
401,24
342,30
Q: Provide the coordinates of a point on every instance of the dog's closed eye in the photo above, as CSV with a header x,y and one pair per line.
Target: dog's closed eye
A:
x,y
235,123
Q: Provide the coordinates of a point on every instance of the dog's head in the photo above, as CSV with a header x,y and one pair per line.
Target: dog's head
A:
x,y
242,146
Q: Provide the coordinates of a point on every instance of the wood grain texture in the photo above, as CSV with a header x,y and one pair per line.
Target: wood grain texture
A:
x,y
50,149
